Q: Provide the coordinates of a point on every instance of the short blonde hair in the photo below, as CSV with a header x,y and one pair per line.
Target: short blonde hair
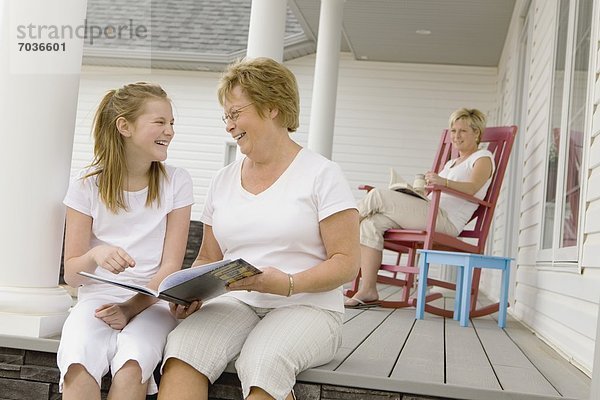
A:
x,y
268,84
475,118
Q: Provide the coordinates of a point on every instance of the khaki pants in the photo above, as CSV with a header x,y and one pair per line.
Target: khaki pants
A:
x,y
272,346
383,209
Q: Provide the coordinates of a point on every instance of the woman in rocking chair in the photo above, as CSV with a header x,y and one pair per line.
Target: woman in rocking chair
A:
x,y
384,209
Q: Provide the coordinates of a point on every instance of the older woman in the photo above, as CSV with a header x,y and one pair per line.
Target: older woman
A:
x,y
380,210
286,210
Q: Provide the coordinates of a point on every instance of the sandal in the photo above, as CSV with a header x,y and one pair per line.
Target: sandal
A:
x,y
354,302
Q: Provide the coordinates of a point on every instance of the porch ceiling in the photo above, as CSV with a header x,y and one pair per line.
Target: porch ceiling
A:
x,y
209,34
461,32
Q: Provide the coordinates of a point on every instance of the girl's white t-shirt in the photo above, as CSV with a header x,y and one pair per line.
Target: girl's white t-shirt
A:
x,y
280,226
459,211
140,230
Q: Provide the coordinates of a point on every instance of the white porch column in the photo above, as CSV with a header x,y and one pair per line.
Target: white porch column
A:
x,y
322,112
38,106
267,29
266,32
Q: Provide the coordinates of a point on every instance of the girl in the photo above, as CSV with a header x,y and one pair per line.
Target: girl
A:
x,y
127,214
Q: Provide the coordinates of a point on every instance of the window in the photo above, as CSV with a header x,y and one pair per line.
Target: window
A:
x,y
230,153
565,139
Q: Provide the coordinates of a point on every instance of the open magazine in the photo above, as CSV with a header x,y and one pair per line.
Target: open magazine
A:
x,y
400,185
184,286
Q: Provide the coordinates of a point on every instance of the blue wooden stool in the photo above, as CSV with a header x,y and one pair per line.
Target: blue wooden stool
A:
x,y
465,263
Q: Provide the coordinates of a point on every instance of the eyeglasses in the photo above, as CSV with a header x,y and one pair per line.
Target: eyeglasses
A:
x,y
234,114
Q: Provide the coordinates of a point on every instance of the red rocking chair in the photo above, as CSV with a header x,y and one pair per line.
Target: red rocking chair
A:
x,y
499,141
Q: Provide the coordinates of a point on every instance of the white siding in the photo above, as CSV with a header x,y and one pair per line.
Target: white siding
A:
x,y
388,115
560,307
391,115
591,244
508,95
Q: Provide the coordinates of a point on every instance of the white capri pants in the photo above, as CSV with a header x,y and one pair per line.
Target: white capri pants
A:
x,y
383,209
274,345
88,341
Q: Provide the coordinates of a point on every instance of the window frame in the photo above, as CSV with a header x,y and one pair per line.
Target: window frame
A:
x,y
556,257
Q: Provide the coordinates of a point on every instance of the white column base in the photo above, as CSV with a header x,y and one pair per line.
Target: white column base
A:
x,y
36,326
33,312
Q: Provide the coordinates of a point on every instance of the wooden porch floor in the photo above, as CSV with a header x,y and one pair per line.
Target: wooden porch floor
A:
x,y
388,350
387,354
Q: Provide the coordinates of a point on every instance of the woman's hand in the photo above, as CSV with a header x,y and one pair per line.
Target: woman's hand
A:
x,y
181,312
272,280
482,170
112,258
434,179
115,315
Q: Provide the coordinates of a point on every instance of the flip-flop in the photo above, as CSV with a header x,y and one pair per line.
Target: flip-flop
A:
x,y
361,303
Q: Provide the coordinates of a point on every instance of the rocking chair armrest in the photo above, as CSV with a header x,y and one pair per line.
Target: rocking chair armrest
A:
x,y
368,188
457,193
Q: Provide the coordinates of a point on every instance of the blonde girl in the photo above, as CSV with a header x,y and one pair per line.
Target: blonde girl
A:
x,y
128,215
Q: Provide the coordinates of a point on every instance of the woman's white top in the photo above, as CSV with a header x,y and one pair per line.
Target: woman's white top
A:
x,y
459,211
279,227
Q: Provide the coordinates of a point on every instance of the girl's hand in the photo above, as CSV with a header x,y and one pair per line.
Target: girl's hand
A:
x,y
272,280
181,312
114,315
112,258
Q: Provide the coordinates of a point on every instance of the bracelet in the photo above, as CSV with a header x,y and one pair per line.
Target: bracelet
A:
x,y
447,182
291,287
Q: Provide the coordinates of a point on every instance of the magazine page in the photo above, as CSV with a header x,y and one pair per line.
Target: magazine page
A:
x,y
209,280
199,283
184,275
396,181
400,185
116,282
